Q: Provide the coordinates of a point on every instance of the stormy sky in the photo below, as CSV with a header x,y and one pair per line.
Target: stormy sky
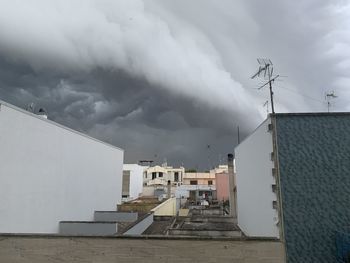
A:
x,y
164,79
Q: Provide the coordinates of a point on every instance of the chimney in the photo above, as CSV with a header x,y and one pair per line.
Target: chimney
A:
x,y
232,190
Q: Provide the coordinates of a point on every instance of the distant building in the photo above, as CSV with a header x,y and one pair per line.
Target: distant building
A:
x,y
222,168
50,173
161,175
201,185
199,179
293,181
132,181
222,186
159,180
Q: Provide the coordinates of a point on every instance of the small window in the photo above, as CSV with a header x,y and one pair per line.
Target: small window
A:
x,y
210,182
160,174
145,173
154,175
194,182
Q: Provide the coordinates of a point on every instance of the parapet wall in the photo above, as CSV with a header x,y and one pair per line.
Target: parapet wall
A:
x,y
64,249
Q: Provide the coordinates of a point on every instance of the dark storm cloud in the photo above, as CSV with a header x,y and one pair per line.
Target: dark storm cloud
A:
x,y
165,79
149,123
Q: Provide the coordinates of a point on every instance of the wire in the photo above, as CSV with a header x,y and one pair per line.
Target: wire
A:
x,y
302,94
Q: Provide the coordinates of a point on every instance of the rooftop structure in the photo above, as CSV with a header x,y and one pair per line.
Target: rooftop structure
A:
x,y
50,173
132,181
293,181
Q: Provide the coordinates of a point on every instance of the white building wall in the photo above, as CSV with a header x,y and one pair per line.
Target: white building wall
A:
x,y
136,179
256,215
50,173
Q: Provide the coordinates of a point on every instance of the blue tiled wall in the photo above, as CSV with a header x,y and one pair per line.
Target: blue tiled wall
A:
x,y
314,163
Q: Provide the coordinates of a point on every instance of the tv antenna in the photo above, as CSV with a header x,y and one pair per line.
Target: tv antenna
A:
x,y
266,69
30,107
328,97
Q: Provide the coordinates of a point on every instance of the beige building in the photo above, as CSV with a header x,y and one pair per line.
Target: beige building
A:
x,y
199,179
207,178
160,175
199,186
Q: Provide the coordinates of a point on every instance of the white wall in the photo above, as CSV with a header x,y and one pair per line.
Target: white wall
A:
x,y
184,190
136,179
167,208
50,173
256,216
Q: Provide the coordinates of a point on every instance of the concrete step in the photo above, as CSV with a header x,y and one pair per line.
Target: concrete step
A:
x,y
88,228
115,216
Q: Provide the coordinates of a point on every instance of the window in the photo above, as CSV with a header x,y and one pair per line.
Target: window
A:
x,y
126,183
145,173
194,182
154,175
210,182
176,176
160,174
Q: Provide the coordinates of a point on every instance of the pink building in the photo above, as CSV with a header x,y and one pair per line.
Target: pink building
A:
x,y
222,186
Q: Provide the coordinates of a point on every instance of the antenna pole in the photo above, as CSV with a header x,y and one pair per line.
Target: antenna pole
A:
x,y
267,68
271,92
238,139
328,97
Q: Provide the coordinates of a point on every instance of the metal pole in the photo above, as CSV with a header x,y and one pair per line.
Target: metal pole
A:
x,y
271,92
238,139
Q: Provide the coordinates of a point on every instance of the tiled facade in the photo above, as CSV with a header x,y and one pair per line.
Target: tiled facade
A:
x,y
314,169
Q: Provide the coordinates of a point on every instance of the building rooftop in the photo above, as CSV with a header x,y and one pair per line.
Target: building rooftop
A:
x,y
54,123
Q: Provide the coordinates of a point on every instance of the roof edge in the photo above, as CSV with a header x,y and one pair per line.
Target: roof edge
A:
x,y
340,113
56,124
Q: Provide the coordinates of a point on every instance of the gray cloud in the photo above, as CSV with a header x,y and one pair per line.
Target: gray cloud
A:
x,y
163,79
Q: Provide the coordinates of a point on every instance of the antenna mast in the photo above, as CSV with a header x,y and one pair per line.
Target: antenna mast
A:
x,y
266,103
328,97
266,68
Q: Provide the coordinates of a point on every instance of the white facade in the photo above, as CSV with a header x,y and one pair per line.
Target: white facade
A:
x,y
256,214
49,173
136,180
160,175
184,190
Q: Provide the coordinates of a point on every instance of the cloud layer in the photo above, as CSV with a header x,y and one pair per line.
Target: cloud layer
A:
x,y
164,79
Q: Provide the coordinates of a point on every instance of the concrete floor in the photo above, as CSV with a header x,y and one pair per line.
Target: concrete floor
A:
x,y
41,249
